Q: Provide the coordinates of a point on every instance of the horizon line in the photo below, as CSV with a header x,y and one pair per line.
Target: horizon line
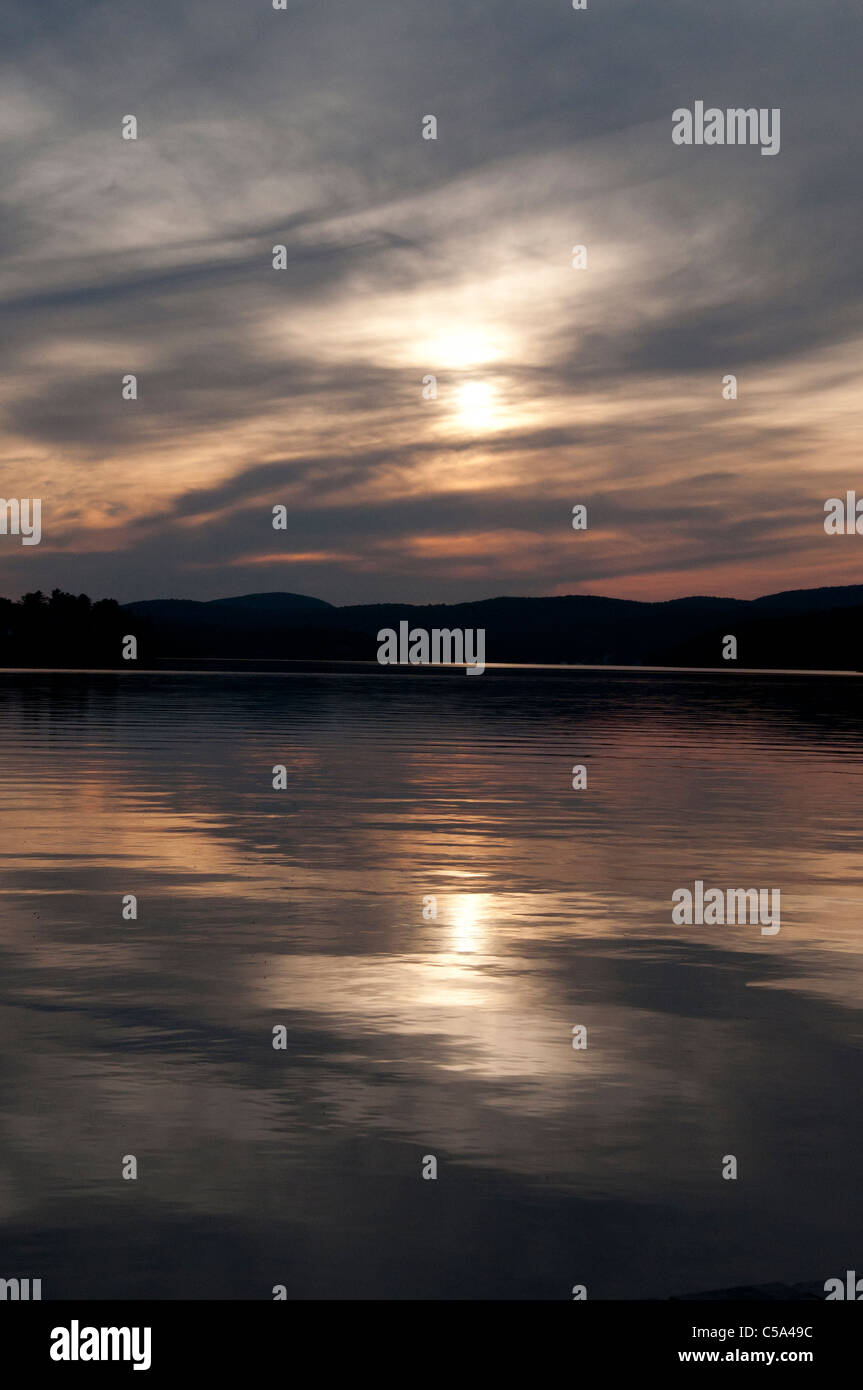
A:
x,y
450,603
407,668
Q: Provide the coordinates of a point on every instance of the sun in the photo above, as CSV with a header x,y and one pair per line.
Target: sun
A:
x,y
476,405
463,349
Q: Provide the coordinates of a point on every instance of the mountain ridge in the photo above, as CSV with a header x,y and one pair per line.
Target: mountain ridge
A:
x,y
791,629
853,596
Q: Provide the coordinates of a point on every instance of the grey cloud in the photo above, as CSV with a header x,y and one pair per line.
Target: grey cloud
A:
x,y
303,128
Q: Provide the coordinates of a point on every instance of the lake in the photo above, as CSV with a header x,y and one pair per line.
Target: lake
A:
x,y
428,909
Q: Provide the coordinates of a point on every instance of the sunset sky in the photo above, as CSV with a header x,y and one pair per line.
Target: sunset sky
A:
x,y
409,257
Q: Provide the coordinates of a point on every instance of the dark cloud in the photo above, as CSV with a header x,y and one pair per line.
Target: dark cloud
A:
x,y
303,385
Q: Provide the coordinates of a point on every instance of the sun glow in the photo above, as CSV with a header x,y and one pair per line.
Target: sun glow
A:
x,y
468,922
476,405
464,349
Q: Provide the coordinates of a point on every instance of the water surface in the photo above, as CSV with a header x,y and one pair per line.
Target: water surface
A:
x,y
409,1037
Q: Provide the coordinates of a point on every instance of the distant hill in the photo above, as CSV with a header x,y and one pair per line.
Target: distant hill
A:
x,y
814,628
270,603
814,600
219,612
818,629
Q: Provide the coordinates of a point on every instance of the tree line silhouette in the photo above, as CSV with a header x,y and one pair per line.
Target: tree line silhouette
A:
x,y
61,629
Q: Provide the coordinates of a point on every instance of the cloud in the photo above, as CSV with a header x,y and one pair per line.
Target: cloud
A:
x,y
407,258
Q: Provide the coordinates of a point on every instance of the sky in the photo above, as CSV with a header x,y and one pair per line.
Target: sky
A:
x,y
408,258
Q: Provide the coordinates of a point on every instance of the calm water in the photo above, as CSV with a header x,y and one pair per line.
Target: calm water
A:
x,y
407,1037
